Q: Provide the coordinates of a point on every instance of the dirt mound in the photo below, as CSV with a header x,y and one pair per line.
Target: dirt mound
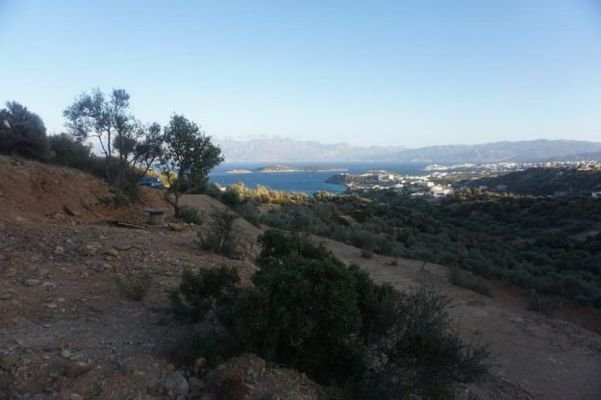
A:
x,y
31,191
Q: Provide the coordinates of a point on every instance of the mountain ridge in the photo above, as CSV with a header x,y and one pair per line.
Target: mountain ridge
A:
x,y
290,150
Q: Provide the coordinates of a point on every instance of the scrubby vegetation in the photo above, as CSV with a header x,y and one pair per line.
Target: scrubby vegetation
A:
x,y
551,245
466,280
134,285
543,181
219,234
190,215
238,193
308,310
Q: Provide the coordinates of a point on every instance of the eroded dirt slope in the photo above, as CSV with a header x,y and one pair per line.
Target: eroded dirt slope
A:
x,y
31,191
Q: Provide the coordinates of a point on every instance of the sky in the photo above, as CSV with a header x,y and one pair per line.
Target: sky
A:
x,y
411,73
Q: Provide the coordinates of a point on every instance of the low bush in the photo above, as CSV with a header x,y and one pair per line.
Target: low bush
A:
x,y
541,303
68,152
204,292
366,253
308,310
468,281
190,215
134,285
220,233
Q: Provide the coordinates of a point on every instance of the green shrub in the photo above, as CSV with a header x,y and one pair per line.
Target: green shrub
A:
x,y
215,348
303,311
208,290
308,310
68,152
417,353
366,253
468,281
190,215
220,234
541,303
134,285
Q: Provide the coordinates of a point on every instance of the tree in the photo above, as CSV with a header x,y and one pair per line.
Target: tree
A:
x,y
22,132
190,153
71,153
107,118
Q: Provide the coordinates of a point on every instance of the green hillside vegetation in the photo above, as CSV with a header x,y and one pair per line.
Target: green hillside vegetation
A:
x,y
543,181
308,310
549,245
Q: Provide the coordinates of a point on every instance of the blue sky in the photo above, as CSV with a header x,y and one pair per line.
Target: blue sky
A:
x,y
410,73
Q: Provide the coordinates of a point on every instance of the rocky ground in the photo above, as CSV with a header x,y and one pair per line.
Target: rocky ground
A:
x,y
69,328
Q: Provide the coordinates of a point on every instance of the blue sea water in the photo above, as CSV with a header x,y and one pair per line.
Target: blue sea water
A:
x,y
306,181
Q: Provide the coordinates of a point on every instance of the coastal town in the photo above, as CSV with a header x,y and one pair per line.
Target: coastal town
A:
x,y
444,180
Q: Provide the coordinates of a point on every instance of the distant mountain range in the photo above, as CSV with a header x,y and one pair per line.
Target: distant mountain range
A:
x,y
282,150
287,150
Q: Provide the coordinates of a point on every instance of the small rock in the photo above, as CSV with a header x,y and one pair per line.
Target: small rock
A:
x,y
176,384
31,282
69,211
56,368
196,384
177,227
170,367
66,353
112,252
73,369
88,251
9,273
5,295
59,250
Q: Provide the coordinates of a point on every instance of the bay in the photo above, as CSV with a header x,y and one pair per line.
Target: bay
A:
x,y
305,181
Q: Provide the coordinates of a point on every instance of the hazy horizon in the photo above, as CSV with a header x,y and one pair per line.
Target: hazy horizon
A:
x,y
387,74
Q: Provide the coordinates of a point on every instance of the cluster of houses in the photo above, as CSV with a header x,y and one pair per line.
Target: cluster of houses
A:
x,y
384,180
435,185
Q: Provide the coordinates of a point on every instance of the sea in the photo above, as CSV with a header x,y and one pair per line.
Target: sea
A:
x,y
308,182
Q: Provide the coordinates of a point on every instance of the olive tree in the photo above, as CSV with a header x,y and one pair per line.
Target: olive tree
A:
x,y
22,132
188,152
125,142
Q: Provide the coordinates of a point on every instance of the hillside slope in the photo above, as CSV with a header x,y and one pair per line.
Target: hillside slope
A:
x,y
31,191
67,330
535,357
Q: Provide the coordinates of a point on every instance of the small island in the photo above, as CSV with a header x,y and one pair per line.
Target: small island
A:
x,y
237,171
285,168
